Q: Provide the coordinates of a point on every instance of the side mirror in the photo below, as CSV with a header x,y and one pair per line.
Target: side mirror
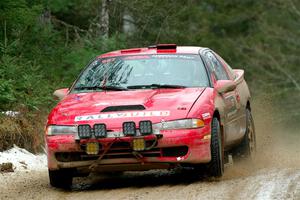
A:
x,y
223,86
60,93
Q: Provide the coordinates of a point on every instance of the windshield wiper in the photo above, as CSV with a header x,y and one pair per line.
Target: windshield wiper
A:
x,y
155,86
106,87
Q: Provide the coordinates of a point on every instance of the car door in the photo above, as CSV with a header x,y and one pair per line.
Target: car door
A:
x,y
227,101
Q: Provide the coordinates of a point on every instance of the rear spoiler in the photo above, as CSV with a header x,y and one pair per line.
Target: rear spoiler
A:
x,y
239,75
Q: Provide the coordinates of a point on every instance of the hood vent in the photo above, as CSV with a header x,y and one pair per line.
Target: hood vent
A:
x,y
123,108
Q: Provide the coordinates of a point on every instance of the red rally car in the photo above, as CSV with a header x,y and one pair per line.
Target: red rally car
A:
x,y
149,108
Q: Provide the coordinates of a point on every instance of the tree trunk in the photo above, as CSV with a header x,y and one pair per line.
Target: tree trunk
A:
x,y
104,20
45,18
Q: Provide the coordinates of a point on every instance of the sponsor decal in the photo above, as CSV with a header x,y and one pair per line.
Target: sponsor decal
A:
x,y
162,113
136,57
231,105
108,60
206,116
173,56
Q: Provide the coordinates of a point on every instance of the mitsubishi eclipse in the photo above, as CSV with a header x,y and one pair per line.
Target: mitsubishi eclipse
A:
x,y
149,108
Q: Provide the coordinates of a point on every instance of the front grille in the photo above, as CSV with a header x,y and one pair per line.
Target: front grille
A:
x,y
120,145
123,150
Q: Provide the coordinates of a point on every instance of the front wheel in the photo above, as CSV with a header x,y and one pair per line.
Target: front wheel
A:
x,y
61,178
216,165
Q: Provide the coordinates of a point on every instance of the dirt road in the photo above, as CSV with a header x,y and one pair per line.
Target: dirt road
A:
x,y
268,183
274,174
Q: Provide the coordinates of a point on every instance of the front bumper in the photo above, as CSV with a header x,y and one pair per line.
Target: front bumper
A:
x,y
175,147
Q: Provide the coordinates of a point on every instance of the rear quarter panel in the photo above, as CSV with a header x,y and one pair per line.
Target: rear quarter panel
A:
x,y
242,96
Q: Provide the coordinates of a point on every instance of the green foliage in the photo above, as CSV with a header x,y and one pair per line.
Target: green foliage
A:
x,y
6,91
16,16
22,84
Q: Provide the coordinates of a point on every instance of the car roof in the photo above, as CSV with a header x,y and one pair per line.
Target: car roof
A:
x,y
155,50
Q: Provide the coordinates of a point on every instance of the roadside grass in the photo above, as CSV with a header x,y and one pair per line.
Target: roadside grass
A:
x,y
24,130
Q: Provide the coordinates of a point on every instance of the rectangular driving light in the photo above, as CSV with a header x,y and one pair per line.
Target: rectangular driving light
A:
x,y
138,144
129,129
145,127
84,131
92,148
100,130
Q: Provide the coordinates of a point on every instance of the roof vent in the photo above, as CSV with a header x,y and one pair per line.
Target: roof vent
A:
x,y
162,48
166,46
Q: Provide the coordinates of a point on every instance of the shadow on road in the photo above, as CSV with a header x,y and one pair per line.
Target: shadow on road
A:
x,y
151,178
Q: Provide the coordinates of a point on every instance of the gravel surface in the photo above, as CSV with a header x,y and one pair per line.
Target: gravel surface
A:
x,y
263,184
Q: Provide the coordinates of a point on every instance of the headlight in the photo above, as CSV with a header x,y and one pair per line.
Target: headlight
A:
x,y
179,124
61,130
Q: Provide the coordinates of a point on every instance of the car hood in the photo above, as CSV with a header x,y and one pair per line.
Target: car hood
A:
x,y
159,104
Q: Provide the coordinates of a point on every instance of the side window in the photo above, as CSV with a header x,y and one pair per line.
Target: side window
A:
x,y
216,67
227,66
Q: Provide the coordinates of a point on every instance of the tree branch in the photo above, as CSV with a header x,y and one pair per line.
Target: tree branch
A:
x,y
294,8
75,28
279,68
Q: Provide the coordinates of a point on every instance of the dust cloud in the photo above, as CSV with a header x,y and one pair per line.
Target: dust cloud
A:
x,y
278,145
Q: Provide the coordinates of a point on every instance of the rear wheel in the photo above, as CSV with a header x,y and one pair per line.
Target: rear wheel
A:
x,y
216,165
61,178
247,147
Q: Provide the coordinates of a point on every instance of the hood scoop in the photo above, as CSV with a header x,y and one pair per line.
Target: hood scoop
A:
x,y
123,108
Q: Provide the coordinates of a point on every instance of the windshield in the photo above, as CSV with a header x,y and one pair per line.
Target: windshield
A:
x,y
143,71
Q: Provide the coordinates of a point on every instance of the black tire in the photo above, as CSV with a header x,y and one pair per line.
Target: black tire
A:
x,y
216,165
61,178
247,147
